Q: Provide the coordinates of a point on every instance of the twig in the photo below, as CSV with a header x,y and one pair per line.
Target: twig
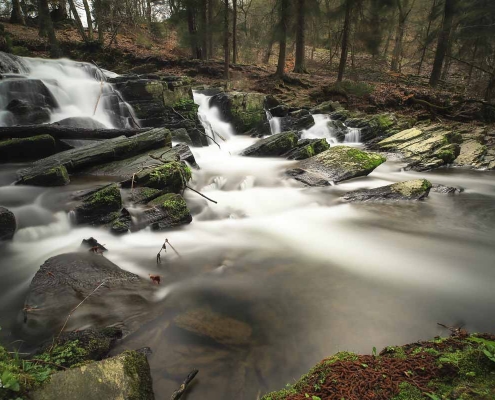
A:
x,y
201,194
178,393
173,248
99,96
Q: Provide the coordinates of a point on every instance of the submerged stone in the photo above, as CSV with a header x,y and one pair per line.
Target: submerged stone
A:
x,y
417,189
8,224
337,164
275,145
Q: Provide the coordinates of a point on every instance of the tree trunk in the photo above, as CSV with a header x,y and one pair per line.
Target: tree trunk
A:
x,y
443,42
87,10
448,61
79,24
148,12
284,8
234,32
204,29
300,63
470,74
490,90
226,46
345,39
268,53
428,30
46,28
399,36
210,31
16,17
193,32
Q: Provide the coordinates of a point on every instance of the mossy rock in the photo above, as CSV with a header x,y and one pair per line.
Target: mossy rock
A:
x,y
55,176
171,177
30,148
173,209
100,207
337,164
417,189
307,148
8,224
272,146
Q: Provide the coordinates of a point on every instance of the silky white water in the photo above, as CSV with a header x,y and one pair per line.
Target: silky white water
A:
x,y
309,274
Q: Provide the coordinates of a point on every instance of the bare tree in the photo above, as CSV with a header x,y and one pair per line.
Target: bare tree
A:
x,y
345,39
284,17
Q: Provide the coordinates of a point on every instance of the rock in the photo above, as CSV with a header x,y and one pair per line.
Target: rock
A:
x,y
64,280
95,154
438,188
81,122
122,224
326,107
243,110
56,176
426,147
87,244
31,92
143,195
275,145
303,123
379,125
297,114
169,210
181,136
338,129
417,189
207,323
8,224
100,207
24,113
279,111
335,165
124,377
171,177
307,148
25,149
471,154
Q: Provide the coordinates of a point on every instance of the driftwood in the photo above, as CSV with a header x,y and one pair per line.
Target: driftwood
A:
x,y
66,132
178,393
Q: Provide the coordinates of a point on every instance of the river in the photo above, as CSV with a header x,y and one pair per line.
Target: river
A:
x,y
308,274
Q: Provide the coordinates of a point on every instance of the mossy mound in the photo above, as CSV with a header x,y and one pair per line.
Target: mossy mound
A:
x,y
171,177
25,149
100,207
272,146
307,148
174,211
416,189
56,176
461,367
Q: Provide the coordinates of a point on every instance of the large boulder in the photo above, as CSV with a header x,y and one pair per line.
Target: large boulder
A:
x,y
326,107
100,207
379,125
417,189
124,377
335,165
307,148
275,145
81,122
425,147
168,211
55,176
24,113
243,110
25,149
7,224
171,177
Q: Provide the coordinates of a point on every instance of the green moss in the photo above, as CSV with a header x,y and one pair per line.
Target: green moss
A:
x,y
174,204
56,176
365,159
137,370
108,197
409,392
172,177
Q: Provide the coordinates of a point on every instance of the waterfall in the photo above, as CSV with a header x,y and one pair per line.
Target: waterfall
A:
x,y
210,118
353,135
275,123
320,129
58,89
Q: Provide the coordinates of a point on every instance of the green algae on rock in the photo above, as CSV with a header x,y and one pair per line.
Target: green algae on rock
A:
x,y
337,164
56,176
169,210
100,206
29,148
307,148
417,189
272,146
171,177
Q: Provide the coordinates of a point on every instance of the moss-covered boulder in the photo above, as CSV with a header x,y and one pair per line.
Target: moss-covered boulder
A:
x,y
55,176
275,145
99,207
337,164
122,224
379,125
142,195
307,148
244,110
460,367
8,224
124,377
25,149
417,189
168,211
326,107
426,147
171,177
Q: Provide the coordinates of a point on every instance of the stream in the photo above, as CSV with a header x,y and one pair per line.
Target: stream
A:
x,y
303,273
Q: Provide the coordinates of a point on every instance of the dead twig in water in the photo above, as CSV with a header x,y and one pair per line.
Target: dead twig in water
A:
x,y
164,247
201,194
178,393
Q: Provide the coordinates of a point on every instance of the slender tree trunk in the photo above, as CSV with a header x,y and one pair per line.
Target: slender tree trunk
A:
x,y
428,30
284,8
470,74
269,48
62,6
345,39
399,36
443,41
16,16
210,31
300,63
87,10
448,61
204,29
234,31
79,24
46,28
226,44
193,32
148,12
99,20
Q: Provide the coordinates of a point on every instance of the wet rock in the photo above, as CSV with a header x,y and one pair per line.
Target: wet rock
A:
x,y
81,122
379,125
279,111
438,188
220,328
243,110
338,129
303,123
181,136
426,147
31,92
124,377
56,176
326,107
90,243
307,148
100,207
297,114
169,210
171,177
337,164
275,145
24,113
122,224
8,224
30,148
471,154
417,189
143,195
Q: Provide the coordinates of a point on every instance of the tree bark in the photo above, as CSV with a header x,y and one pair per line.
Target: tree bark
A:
x,y
443,42
79,24
268,53
16,16
46,28
300,63
193,31
210,32
490,89
284,11
204,29
88,19
345,39
234,32
226,44
404,10
148,12
428,30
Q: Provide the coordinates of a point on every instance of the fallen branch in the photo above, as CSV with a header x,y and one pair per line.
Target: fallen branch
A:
x,y
201,194
178,393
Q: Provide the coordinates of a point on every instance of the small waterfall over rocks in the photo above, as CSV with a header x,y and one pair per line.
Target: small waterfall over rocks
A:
x,y
35,91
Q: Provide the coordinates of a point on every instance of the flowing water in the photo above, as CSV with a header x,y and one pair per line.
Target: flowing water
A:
x,y
302,274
